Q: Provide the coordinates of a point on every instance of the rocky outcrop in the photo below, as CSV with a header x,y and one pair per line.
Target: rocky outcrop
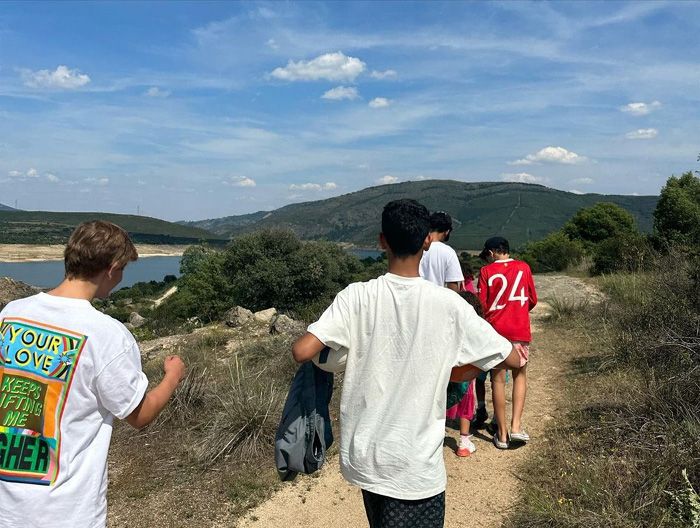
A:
x,y
265,316
283,324
136,320
237,316
11,289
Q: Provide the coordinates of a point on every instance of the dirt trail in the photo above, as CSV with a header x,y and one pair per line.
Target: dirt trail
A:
x,y
480,489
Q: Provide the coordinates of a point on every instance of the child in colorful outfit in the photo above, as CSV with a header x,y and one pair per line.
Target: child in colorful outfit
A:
x,y
403,335
68,370
507,293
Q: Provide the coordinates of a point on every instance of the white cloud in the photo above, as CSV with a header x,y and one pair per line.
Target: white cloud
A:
x,y
385,180
14,173
341,92
52,177
582,181
551,155
154,91
576,191
330,67
97,181
328,186
62,77
32,173
240,181
520,177
640,109
387,74
273,44
379,102
642,133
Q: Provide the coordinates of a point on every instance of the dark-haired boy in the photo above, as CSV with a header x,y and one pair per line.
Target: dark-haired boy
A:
x,y
440,263
403,335
507,293
68,369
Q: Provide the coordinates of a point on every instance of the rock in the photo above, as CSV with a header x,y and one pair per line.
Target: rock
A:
x,y
11,289
286,325
265,316
136,320
237,316
129,326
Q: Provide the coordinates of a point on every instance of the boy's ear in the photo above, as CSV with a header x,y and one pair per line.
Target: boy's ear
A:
x,y
426,243
382,242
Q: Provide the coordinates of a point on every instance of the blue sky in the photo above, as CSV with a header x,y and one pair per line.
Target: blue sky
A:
x,y
200,110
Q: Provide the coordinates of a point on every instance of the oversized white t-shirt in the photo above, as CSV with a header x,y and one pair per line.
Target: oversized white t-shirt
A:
x,y
403,337
440,264
68,369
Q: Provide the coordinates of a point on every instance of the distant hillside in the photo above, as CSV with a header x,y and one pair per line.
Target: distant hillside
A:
x,y
518,211
6,208
42,227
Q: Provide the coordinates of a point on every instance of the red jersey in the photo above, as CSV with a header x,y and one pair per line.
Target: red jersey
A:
x,y
507,293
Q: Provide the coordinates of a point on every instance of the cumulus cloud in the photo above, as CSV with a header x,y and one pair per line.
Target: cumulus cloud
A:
x,y
240,181
97,181
520,177
379,102
582,181
14,174
387,74
387,179
52,177
642,133
62,77
551,155
328,186
330,67
576,191
640,109
154,91
23,175
341,92
32,173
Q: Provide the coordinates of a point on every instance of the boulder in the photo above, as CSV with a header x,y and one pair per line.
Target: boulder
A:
x,y
136,320
237,316
265,316
286,325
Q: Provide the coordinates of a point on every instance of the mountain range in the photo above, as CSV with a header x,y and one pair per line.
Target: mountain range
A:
x,y
520,212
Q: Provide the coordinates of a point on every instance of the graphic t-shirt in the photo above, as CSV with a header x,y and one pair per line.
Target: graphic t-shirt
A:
x,y
403,337
440,265
65,370
507,293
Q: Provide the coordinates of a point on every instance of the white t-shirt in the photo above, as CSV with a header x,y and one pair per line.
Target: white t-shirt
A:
x,y
403,337
440,264
68,369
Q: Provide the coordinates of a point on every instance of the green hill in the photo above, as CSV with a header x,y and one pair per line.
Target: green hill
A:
x,y
518,211
6,208
42,227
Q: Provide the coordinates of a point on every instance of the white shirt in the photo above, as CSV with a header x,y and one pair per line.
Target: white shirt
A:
x,y
403,337
68,369
440,264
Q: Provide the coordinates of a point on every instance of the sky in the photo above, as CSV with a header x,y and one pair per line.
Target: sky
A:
x,y
187,111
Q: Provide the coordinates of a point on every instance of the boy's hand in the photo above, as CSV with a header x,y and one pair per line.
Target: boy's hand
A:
x,y
175,367
464,373
523,352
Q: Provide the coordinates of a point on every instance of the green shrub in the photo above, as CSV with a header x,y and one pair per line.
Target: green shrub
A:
x,y
677,214
629,252
595,224
556,252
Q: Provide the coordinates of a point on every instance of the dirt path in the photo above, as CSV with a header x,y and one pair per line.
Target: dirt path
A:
x,y
480,489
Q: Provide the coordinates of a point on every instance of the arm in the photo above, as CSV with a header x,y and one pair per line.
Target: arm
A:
x,y
454,286
156,399
531,292
306,347
516,359
483,288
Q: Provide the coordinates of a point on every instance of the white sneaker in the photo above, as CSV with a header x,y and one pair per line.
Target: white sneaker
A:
x,y
466,447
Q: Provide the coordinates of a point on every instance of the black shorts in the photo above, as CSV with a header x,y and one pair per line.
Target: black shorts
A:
x,y
385,512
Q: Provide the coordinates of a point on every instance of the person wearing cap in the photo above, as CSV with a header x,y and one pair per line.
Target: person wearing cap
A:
x,y
440,264
507,293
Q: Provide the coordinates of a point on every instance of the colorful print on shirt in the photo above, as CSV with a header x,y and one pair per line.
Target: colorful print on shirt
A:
x,y
39,362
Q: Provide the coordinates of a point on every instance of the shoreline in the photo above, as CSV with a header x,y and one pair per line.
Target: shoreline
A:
x,y
10,253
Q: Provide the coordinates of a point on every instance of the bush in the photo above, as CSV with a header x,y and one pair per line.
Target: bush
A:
x,y
677,214
598,223
556,252
630,252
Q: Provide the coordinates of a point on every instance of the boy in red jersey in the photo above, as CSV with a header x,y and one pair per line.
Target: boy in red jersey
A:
x,y
507,293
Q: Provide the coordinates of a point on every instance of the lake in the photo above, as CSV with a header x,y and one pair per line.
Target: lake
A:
x,y
50,273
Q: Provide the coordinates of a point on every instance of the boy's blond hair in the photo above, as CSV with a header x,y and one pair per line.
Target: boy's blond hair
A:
x,y
96,246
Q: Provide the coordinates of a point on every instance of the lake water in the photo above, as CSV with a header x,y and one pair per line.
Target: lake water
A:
x,y
48,274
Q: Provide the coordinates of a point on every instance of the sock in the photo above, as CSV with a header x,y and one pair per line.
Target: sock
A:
x,y
481,404
464,440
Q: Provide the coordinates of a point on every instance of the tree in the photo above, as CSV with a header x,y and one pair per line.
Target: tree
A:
x,y
604,220
677,214
555,252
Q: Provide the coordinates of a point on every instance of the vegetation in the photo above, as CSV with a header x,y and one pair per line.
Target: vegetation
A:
x,y
520,212
555,252
43,227
599,223
677,216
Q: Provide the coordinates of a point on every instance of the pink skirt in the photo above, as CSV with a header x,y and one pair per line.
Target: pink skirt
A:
x,y
465,408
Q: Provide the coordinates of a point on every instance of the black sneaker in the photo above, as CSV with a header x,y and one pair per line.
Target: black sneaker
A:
x,y
492,427
481,416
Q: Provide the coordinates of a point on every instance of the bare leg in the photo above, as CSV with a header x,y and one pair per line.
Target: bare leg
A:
x,y
498,391
464,426
519,392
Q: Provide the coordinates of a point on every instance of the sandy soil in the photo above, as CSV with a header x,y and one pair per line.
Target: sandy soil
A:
x,y
480,488
36,253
